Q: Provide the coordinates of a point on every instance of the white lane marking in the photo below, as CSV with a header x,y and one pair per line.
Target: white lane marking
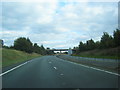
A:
x,y
61,74
55,68
13,69
77,89
50,62
94,68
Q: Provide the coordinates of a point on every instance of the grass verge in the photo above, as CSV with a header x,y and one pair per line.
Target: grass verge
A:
x,y
10,57
111,53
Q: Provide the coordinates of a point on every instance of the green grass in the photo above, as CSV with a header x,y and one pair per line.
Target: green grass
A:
x,y
111,53
10,57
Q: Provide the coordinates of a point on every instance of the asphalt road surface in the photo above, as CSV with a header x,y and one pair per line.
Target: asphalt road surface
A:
x,y
53,72
109,64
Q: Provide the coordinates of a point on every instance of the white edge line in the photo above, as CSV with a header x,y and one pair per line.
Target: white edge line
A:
x,y
13,69
94,68
56,68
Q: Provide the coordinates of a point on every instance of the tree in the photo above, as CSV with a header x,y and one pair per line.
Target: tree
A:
x,y
75,50
6,47
49,52
43,51
116,36
97,44
81,47
36,48
23,44
48,48
11,47
106,41
90,45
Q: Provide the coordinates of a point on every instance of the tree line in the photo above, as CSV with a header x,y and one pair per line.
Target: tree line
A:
x,y
106,41
24,44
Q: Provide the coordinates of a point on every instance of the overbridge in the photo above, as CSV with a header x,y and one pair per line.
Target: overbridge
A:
x,y
60,49
70,51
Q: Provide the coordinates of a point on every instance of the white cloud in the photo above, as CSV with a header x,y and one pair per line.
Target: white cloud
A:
x,y
58,25
44,20
13,34
10,36
62,29
70,1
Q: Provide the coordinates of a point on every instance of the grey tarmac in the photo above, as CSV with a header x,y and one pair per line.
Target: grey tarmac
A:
x,y
53,72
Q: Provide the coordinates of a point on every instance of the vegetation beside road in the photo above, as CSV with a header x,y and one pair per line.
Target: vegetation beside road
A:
x,y
111,53
11,56
107,47
22,49
25,44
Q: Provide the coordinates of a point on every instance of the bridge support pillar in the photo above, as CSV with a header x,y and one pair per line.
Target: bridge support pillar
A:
x,y
60,52
69,51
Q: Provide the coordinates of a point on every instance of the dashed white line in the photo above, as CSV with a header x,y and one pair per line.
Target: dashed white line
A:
x,y
55,67
13,68
77,89
61,74
50,62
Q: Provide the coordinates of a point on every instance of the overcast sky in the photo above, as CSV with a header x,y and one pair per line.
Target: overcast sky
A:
x,y
57,24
